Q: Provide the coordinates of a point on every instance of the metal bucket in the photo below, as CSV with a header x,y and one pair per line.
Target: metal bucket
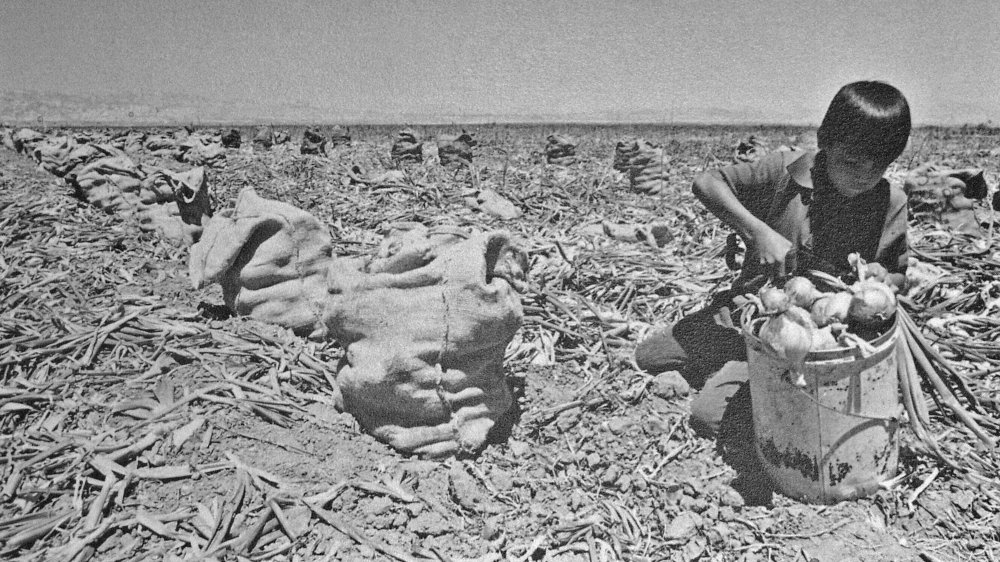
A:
x,y
837,437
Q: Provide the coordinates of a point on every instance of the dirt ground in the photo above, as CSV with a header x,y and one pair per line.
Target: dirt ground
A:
x,y
234,448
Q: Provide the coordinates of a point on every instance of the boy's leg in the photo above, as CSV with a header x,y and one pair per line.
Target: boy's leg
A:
x,y
722,406
698,345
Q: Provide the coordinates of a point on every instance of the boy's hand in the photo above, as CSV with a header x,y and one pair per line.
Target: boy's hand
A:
x,y
775,252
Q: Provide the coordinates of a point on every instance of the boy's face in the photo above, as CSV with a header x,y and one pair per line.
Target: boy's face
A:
x,y
850,172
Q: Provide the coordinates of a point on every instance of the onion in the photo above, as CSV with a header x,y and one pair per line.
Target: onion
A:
x,y
896,282
800,316
788,339
872,305
831,308
876,271
822,338
801,291
773,299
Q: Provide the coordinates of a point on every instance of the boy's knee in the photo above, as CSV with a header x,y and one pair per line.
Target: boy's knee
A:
x,y
659,351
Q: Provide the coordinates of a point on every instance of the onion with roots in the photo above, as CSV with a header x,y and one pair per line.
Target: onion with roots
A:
x,y
830,308
773,300
801,291
789,340
872,305
822,339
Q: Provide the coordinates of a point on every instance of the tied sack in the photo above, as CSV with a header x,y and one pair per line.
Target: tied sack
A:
x,y
425,325
647,169
340,136
407,147
175,205
313,142
271,260
560,150
113,184
624,150
456,149
947,195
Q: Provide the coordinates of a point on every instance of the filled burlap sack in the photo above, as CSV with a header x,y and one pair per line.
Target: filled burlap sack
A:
x,y
271,260
201,151
750,149
175,205
51,152
26,139
313,142
263,138
947,195
934,187
624,149
7,138
407,147
231,139
560,150
160,145
112,183
130,142
647,168
339,136
456,149
425,325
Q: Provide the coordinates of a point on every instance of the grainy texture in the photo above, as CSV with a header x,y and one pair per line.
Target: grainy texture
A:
x,y
140,422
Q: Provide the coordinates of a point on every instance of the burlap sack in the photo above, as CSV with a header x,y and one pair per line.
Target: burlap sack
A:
x,y
175,205
26,139
492,203
160,145
560,150
313,142
946,195
7,138
750,150
339,136
112,183
51,152
425,326
231,139
130,142
624,150
201,151
647,168
271,260
406,147
263,138
456,149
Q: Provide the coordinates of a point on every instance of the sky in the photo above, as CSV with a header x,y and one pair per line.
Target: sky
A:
x,y
706,60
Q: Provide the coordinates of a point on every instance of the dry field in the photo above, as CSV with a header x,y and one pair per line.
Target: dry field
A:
x,y
140,421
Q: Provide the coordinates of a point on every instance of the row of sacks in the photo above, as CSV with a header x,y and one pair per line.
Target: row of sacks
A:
x,y
174,205
448,148
424,320
459,148
57,152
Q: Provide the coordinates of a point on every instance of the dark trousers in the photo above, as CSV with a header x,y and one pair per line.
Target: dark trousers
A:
x,y
710,353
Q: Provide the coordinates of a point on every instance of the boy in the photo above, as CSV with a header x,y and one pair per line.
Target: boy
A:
x,y
796,211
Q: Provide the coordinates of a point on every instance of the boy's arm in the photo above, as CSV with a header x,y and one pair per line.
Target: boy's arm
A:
x,y
772,249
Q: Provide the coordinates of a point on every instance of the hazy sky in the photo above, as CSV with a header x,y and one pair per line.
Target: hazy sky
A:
x,y
781,60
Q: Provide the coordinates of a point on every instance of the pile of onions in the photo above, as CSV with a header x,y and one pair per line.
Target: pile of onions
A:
x,y
802,319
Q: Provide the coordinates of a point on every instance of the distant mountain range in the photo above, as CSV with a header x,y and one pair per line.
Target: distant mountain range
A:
x,y
24,107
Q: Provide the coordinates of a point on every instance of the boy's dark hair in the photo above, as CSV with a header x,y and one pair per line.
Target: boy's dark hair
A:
x,y
872,117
